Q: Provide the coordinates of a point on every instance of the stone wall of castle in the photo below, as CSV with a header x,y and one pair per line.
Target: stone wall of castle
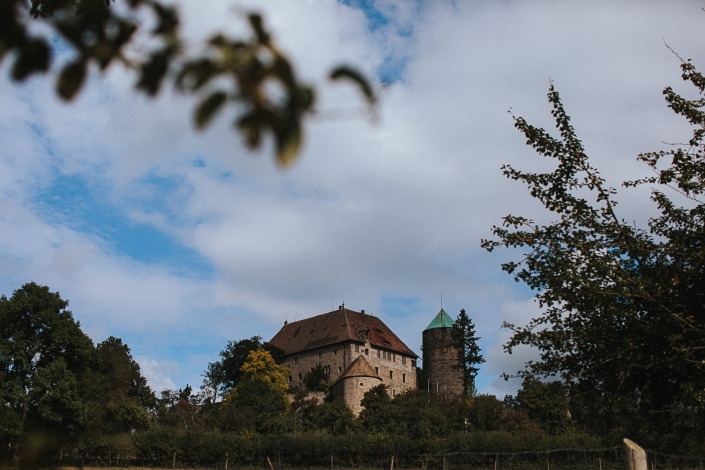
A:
x,y
352,390
440,357
397,371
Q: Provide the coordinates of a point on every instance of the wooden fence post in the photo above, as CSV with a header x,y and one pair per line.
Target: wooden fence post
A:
x,y
173,461
226,461
634,456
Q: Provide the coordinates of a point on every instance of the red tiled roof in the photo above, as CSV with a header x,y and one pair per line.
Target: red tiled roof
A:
x,y
336,327
358,368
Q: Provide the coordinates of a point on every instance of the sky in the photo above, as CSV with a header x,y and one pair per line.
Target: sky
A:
x,y
179,241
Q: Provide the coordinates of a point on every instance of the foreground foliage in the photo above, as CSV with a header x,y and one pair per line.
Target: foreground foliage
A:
x,y
624,307
235,71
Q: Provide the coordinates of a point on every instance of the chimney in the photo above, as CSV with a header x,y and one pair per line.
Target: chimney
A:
x,y
362,311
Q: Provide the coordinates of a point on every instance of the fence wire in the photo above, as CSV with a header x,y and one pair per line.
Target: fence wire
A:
x,y
610,458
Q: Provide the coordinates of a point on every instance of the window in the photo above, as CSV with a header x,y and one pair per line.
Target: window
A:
x,y
299,376
378,353
377,370
403,378
296,360
357,348
392,393
290,379
394,357
384,354
367,352
340,369
320,354
326,369
391,374
403,360
335,351
413,363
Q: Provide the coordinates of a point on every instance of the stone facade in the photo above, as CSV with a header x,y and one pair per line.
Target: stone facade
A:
x,y
335,340
440,358
397,371
353,389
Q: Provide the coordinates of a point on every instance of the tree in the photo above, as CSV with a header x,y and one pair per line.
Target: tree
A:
x,y
335,417
378,414
624,317
235,71
262,392
45,359
223,375
317,379
468,351
546,403
120,398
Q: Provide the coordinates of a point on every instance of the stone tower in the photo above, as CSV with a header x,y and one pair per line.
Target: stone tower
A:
x,y
440,356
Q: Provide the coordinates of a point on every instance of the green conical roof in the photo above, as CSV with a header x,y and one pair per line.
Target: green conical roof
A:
x,y
442,320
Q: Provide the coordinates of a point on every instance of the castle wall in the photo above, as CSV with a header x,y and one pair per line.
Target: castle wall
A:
x,y
397,371
439,358
352,390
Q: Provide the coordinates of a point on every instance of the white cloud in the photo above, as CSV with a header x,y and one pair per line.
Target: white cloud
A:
x,y
158,374
372,210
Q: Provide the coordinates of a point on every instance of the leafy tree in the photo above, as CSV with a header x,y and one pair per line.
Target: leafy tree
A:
x,y
262,391
234,71
545,403
224,374
303,411
624,317
44,359
378,413
469,356
335,417
317,379
120,399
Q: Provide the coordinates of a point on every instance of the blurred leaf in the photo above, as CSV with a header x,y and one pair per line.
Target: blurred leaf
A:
x,y
348,73
289,142
154,70
257,26
249,127
195,74
71,79
34,57
208,107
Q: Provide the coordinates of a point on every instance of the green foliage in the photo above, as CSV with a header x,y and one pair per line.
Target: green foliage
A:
x,y
469,356
259,400
545,403
317,379
335,417
624,314
119,397
377,415
230,71
224,374
45,359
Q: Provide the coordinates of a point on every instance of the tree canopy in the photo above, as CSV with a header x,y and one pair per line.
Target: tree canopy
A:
x,y
224,374
623,316
469,352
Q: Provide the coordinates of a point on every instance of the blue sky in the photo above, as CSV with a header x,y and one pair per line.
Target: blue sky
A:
x,y
179,241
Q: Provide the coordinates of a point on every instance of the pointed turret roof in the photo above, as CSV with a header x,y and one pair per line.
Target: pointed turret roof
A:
x,y
442,320
358,368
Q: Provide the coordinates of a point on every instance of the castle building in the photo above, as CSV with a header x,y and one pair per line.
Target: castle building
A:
x,y
357,350
440,356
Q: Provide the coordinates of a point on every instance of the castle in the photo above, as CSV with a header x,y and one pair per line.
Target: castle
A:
x,y
359,352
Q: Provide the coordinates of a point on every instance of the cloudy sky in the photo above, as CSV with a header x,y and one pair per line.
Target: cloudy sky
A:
x,y
178,241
